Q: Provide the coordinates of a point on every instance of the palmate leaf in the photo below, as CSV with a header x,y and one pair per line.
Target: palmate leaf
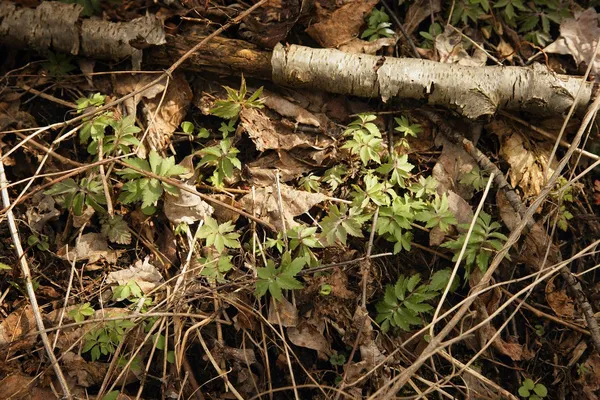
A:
x,y
341,222
404,303
220,236
116,229
273,279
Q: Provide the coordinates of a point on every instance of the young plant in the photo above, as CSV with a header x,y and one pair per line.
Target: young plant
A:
x,y
216,268
129,291
188,128
220,236
407,129
224,158
374,192
302,240
115,229
404,303
476,178
334,176
532,391
103,340
429,36
366,139
80,313
437,214
236,100
424,187
122,139
341,222
310,183
38,240
274,280
74,196
378,25
484,241
93,100
58,64
399,167
149,190
394,222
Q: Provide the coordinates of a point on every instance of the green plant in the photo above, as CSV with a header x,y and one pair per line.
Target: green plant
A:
x,y
81,312
582,369
399,167
148,190
58,64
366,139
378,26
310,183
302,240
532,391
93,100
224,158
424,187
437,214
374,192
94,128
404,303
115,229
123,137
484,241
276,242
394,222
473,10
5,267
38,240
337,359
341,222
219,235
236,100
227,128
539,330
334,176
73,196
325,289
103,340
407,129
563,194
429,36
476,178
216,268
188,128
129,291
273,279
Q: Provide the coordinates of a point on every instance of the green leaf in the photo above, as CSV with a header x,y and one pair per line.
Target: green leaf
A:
x,y
187,127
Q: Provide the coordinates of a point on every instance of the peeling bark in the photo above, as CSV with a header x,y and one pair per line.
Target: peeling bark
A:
x,y
472,91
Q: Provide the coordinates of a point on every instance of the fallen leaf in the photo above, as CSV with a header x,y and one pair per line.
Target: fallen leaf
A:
x,y
340,26
418,11
262,171
306,335
187,207
268,134
578,38
451,51
294,202
286,108
41,210
23,387
559,301
288,314
92,247
451,165
591,380
143,273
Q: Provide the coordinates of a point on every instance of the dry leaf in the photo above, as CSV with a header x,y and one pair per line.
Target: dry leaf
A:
x,y
268,134
358,46
143,273
41,210
23,387
262,171
450,49
591,380
418,11
187,207
450,167
294,202
288,314
286,108
559,301
578,37
306,335
91,247
341,25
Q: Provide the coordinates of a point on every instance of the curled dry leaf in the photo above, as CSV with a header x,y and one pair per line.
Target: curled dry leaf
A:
x,y
187,207
294,202
143,273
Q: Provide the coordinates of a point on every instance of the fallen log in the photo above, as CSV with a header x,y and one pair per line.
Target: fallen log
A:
x,y
474,92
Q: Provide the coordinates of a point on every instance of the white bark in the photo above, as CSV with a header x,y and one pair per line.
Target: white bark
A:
x,y
472,91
